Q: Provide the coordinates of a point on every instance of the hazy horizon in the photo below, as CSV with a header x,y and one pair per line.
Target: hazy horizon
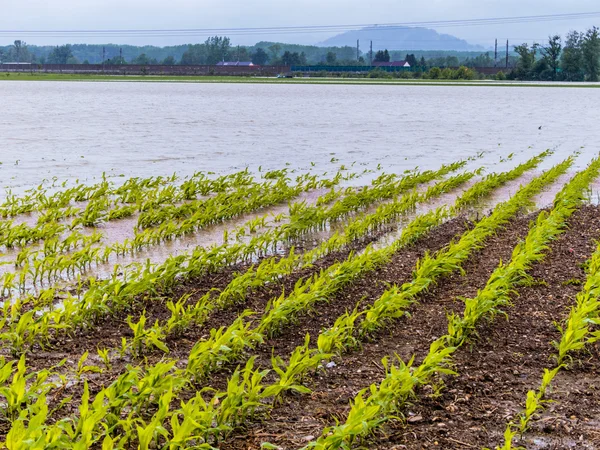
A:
x,y
186,14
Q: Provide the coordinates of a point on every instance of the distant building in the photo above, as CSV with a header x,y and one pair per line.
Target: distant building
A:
x,y
402,63
235,63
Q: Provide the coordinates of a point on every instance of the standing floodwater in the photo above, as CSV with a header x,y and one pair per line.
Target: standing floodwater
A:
x,y
81,129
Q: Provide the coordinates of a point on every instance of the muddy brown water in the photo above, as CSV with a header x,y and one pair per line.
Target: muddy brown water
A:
x,y
77,130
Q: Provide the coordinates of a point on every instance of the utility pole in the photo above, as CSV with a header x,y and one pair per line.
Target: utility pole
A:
x,y
507,53
357,50
103,57
238,53
495,52
121,56
371,54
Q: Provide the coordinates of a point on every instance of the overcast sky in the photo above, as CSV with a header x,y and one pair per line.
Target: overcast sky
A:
x,y
161,14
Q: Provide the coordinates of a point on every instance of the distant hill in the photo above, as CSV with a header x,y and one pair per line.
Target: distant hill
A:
x,y
400,38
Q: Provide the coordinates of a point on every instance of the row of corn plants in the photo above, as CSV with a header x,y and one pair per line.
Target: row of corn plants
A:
x,y
225,344
374,406
180,312
219,413
132,191
208,355
146,194
575,334
65,263
52,266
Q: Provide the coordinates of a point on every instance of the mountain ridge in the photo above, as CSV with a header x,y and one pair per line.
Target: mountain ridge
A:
x,y
400,38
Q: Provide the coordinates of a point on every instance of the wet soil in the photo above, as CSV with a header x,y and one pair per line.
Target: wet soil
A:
x,y
471,410
507,360
109,331
496,370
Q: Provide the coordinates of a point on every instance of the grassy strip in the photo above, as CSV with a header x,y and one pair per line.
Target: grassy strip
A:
x,y
401,381
266,80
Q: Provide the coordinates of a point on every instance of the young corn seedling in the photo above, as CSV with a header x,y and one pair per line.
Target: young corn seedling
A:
x,y
144,339
291,375
83,368
223,345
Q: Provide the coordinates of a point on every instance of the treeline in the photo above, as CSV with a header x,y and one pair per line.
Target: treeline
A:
x,y
217,49
578,59
211,51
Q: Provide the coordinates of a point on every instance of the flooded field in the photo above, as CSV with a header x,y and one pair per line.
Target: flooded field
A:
x,y
78,130
323,253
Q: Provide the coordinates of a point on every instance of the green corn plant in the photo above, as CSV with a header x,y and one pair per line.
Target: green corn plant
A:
x,y
83,368
145,339
183,315
223,345
576,333
17,395
155,429
104,355
340,336
81,429
242,397
20,332
28,432
290,375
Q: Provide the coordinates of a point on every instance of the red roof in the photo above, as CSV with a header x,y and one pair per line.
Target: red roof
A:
x,y
402,63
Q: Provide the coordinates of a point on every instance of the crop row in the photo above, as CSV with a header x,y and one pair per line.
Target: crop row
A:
x,y
575,334
298,222
376,404
197,419
148,192
42,324
51,266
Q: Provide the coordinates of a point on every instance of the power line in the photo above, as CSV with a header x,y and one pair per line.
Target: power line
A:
x,y
300,29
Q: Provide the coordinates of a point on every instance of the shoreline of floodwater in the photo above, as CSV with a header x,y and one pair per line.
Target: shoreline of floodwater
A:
x,y
13,76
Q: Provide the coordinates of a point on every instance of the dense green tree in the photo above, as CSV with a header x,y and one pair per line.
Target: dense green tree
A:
x,y
194,55
218,48
169,61
571,61
144,60
274,49
293,59
382,56
551,54
260,57
526,60
435,73
60,54
331,58
590,48
242,54
412,60
19,52
483,60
